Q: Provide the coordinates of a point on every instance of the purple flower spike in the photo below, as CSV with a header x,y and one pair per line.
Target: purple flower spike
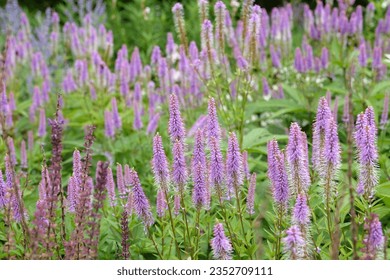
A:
x,y
297,160
217,173
199,194
385,111
115,114
250,200
72,193
176,126
153,124
293,243
365,138
127,177
161,203
23,154
301,213
11,148
374,239
42,123
77,166
3,191
234,169
179,169
213,129
111,187
160,163
120,180
245,165
277,173
109,124
220,244
332,148
199,156
140,201
321,123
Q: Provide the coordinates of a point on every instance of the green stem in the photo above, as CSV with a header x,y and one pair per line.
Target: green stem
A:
x,y
172,223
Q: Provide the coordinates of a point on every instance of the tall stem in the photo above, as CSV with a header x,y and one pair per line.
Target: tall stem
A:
x,y
184,212
172,223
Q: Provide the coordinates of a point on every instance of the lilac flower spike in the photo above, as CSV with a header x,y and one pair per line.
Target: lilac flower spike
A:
x,y
23,154
332,149
220,244
115,114
176,126
365,138
234,168
216,165
250,200
213,129
160,163
301,212
374,239
140,201
42,123
321,123
198,156
161,203
293,243
179,168
199,193
77,166
3,191
120,180
72,192
385,111
111,187
277,174
296,159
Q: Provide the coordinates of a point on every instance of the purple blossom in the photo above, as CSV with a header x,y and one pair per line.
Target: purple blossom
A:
x,y
160,163
42,123
140,201
332,148
111,187
199,193
120,180
234,168
11,148
277,173
198,156
213,129
137,123
3,191
179,169
109,129
161,203
296,159
23,154
385,112
72,194
374,239
217,169
220,244
365,139
293,243
321,123
153,123
176,126
115,114
301,212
